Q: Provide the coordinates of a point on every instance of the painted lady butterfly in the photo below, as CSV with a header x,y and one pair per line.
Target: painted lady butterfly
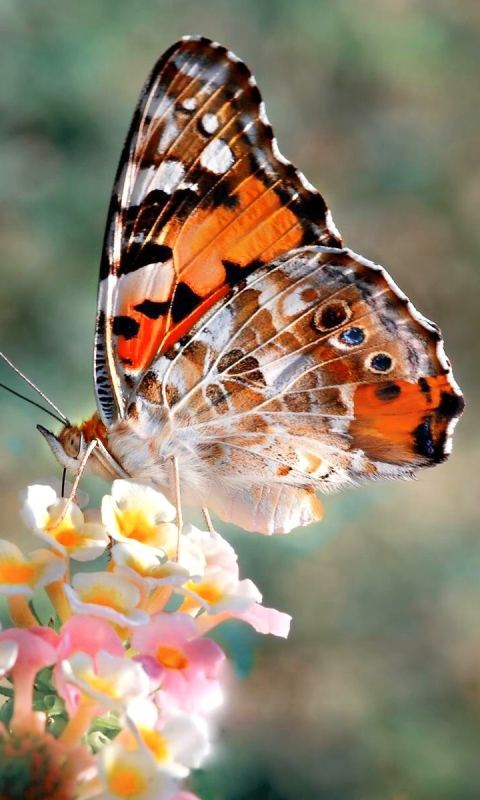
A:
x,y
235,335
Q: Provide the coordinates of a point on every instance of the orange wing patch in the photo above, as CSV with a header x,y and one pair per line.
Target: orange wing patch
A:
x,y
214,250
402,422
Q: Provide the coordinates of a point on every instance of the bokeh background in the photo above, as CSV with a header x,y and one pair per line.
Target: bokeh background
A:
x,y
376,694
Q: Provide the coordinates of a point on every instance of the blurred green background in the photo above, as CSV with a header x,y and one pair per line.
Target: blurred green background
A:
x,y
376,695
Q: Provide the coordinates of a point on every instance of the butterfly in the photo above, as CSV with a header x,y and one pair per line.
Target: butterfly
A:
x,y
236,336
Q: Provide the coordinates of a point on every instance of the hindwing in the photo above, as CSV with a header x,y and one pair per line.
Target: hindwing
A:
x,y
317,373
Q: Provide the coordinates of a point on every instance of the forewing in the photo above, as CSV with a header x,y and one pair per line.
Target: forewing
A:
x,y
317,373
202,199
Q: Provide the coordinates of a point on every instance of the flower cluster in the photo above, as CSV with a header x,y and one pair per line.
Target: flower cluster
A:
x,y
112,699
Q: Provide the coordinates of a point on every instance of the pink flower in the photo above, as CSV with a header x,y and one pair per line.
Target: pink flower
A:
x,y
186,665
84,634
264,620
35,651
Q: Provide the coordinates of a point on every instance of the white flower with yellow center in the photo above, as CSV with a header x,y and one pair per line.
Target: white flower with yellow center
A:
x,y
114,596
109,682
23,575
217,552
132,775
177,741
219,590
138,513
76,534
149,564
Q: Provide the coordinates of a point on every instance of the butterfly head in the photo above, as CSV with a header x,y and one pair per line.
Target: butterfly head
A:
x,y
68,447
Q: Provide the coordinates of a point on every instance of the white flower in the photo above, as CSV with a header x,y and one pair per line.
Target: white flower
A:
x,y
80,499
139,513
113,596
216,550
219,591
21,574
110,681
80,536
132,775
148,563
177,741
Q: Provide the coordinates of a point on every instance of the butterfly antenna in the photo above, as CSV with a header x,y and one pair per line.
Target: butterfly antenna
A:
x,y
58,416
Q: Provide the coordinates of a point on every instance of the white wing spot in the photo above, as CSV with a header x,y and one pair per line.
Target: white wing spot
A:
x,y
169,134
209,123
217,157
189,104
193,187
168,176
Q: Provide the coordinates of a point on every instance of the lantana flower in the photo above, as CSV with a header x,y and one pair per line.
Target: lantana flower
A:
x,y
186,666
177,741
128,683
216,550
23,575
78,535
155,566
35,649
87,635
109,681
113,596
139,513
219,590
132,775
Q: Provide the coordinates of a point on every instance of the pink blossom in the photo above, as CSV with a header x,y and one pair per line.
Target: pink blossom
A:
x,y
264,620
34,652
187,666
84,634
89,634
267,620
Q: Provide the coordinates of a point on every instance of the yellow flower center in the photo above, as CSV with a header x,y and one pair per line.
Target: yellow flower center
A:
x,y
171,658
156,744
15,572
135,525
105,596
125,782
67,536
98,683
208,592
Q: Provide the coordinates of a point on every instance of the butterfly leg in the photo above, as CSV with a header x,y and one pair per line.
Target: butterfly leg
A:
x,y
178,500
91,447
208,520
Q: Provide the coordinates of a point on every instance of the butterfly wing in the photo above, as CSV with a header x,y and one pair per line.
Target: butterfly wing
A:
x,y
202,199
317,373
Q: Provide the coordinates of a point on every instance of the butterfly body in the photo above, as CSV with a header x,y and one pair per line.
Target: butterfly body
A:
x,y
235,334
